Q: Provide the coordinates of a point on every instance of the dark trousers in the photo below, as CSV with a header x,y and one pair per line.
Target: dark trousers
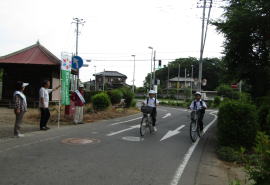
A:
x,y
200,118
45,116
154,116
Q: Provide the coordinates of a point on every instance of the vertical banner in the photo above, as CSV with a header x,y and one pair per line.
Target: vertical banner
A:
x,y
65,77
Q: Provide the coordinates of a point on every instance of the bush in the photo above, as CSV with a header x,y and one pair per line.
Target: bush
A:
x,y
133,103
217,101
237,124
263,100
258,164
229,154
228,92
88,95
263,112
115,96
128,95
101,101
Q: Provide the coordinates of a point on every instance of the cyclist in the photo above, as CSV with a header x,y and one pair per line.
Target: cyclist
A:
x,y
152,101
199,105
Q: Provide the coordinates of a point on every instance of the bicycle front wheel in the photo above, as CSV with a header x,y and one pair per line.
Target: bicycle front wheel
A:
x,y
143,126
193,130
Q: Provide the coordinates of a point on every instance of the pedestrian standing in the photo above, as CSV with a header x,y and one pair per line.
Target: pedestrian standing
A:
x,y
79,101
44,104
20,107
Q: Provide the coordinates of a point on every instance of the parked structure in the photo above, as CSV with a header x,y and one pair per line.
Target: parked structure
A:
x,y
110,80
183,82
32,65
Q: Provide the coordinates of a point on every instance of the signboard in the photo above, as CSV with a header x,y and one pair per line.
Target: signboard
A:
x,y
77,62
65,79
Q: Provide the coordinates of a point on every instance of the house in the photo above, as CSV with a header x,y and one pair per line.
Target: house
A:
x,y
110,80
33,65
183,82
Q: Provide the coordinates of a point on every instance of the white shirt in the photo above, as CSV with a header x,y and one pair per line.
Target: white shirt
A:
x,y
44,93
198,105
151,102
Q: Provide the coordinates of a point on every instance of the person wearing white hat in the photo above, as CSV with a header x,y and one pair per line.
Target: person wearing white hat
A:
x,y
78,99
152,101
20,107
200,105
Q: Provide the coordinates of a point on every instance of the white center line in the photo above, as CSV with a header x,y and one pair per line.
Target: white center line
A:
x,y
117,123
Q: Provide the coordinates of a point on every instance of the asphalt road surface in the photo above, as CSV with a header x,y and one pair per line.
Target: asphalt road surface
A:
x,y
111,152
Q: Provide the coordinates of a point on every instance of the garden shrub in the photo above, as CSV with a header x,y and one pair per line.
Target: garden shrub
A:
x,y
88,96
101,101
263,113
228,92
133,103
237,124
229,154
262,100
258,164
115,96
128,95
217,101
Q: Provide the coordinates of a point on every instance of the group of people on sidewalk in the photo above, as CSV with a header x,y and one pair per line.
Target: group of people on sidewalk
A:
x,y
20,105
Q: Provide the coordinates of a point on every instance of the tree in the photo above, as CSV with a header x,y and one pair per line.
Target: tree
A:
x,y
246,26
213,70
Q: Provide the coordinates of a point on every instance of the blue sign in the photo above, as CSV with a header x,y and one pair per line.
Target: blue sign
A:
x,y
77,62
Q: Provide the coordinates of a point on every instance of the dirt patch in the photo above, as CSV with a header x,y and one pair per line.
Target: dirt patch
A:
x,y
31,118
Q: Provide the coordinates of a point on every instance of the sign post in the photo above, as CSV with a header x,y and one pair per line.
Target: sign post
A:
x,y
65,77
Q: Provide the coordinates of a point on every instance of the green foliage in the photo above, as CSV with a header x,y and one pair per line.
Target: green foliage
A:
x,y
217,101
88,95
101,101
229,154
262,100
258,164
263,113
133,103
141,90
228,92
246,28
115,96
237,124
128,95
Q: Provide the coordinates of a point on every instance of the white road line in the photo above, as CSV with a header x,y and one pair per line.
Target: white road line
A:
x,y
117,123
164,110
172,133
167,115
124,130
189,153
28,144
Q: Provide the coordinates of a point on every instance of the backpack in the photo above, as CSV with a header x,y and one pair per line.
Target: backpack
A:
x,y
195,105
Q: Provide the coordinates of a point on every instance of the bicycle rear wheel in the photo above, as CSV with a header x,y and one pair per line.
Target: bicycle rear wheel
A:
x,y
193,130
143,126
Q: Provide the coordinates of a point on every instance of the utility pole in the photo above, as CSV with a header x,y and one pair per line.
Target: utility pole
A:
x,y
103,84
178,81
154,76
150,85
78,22
168,81
95,78
192,80
133,90
185,77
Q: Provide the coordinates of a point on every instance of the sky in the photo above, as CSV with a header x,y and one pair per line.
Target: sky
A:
x,y
113,31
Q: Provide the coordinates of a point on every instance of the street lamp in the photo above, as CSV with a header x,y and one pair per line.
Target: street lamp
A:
x,y
151,66
133,73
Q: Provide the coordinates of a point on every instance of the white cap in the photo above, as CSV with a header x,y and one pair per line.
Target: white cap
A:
x,y
81,85
152,92
198,93
25,84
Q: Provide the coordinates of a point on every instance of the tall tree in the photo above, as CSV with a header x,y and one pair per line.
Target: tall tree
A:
x,y
246,27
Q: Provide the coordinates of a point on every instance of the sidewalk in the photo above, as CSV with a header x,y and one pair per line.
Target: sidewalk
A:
x,y
213,171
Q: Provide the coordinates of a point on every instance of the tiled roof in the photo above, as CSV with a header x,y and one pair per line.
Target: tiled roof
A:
x,y
111,73
35,54
176,79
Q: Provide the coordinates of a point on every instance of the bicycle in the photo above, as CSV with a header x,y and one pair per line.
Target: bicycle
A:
x,y
194,129
146,121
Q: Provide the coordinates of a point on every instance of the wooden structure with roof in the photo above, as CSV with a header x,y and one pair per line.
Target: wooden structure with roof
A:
x,y
33,65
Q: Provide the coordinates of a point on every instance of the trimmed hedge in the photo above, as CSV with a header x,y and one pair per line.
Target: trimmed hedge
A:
x,y
115,96
263,114
101,101
237,124
88,95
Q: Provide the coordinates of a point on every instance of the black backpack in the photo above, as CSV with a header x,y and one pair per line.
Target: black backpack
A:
x,y
195,105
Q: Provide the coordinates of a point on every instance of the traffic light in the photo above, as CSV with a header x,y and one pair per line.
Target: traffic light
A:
x,y
159,63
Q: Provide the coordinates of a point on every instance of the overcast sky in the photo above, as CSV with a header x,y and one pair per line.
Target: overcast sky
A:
x,y
114,30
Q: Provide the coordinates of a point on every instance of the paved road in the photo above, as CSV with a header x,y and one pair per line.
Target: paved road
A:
x,y
116,156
